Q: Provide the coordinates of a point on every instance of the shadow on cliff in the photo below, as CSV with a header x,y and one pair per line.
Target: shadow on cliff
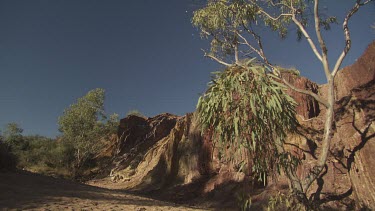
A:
x,y
356,113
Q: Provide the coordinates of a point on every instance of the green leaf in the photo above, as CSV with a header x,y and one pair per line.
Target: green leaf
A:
x,y
248,110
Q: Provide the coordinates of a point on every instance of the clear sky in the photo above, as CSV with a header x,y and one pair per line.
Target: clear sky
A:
x,y
144,53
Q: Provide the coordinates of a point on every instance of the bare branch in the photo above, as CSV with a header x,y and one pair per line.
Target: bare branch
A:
x,y
236,58
216,59
321,41
274,18
245,42
312,94
310,119
364,3
347,35
259,51
307,36
278,4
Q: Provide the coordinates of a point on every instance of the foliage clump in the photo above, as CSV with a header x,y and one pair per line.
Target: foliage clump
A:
x,y
33,152
284,201
84,124
292,70
247,110
135,112
84,127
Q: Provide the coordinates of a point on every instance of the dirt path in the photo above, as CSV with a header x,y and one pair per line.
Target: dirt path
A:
x,y
28,191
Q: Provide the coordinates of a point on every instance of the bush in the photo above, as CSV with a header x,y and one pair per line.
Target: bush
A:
x,y
135,112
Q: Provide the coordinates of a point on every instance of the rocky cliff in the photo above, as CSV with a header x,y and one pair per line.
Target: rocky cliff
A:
x,y
353,147
348,181
168,152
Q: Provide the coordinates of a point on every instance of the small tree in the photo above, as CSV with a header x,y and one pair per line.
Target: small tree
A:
x,y
13,137
83,125
232,26
12,130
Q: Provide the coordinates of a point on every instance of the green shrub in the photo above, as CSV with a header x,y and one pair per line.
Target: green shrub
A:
x,y
135,112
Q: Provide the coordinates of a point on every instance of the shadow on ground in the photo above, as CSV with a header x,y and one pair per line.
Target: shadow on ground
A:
x,y
25,190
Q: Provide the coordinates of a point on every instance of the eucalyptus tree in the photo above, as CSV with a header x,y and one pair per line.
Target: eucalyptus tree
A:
x,y
83,125
233,28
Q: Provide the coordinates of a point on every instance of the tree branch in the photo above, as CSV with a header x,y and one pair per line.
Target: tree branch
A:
x,y
258,39
245,42
216,59
236,57
274,18
278,4
347,35
308,38
312,94
321,41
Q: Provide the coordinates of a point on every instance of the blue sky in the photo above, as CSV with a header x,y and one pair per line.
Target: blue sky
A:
x,y
144,53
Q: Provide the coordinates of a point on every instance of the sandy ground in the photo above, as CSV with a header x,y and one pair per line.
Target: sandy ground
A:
x,y
28,191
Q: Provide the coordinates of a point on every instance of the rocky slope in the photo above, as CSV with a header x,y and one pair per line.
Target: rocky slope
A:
x,y
168,152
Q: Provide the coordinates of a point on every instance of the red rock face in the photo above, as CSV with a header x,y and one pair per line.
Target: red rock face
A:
x,y
205,155
135,131
307,107
354,141
360,73
169,149
350,172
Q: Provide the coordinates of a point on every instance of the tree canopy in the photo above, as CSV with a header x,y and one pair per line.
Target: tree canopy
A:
x,y
234,25
84,123
12,130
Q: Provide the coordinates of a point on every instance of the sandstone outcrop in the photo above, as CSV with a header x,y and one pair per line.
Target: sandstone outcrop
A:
x,y
156,152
